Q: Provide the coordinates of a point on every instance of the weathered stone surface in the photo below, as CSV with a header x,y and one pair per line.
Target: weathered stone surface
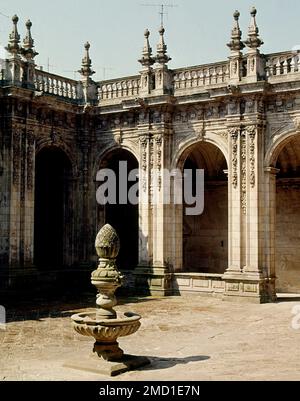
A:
x,y
222,341
238,119
112,369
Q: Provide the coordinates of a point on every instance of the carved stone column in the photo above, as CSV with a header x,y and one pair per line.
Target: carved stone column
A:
x,y
151,274
15,202
145,240
270,234
29,200
245,276
235,262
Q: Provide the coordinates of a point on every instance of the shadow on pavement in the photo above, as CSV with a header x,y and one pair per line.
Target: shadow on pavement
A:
x,y
166,363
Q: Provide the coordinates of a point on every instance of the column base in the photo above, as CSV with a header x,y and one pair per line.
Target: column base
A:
x,y
249,287
152,281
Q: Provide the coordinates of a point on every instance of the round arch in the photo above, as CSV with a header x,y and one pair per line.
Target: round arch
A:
x,y
107,152
211,138
277,146
204,237
283,155
61,146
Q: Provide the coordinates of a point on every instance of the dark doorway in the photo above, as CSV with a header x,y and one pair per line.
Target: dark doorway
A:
x,y
52,176
124,218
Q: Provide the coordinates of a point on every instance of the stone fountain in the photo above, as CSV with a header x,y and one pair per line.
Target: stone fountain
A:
x,y
103,323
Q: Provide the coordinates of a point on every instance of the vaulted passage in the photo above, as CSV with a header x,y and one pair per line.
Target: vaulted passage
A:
x,y
52,208
288,218
123,217
205,237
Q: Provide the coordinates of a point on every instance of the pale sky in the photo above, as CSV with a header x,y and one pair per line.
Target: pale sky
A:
x,y
196,30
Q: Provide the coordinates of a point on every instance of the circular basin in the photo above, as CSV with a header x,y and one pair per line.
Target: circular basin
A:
x,y
106,330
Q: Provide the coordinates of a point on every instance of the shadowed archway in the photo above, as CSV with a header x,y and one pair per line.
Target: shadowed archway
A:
x,y
53,171
287,228
205,236
123,217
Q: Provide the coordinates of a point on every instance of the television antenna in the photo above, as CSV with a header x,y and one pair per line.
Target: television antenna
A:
x,y
105,69
162,8
74,72
4,15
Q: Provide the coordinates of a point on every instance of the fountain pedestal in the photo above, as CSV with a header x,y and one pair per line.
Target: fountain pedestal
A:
x,y
104,324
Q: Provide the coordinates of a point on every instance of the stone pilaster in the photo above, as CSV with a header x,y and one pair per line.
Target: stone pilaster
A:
x,y
246,276
15,203
152,274
29,200
270,233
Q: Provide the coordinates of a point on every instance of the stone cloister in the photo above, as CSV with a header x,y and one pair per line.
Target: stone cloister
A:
x,y
239,120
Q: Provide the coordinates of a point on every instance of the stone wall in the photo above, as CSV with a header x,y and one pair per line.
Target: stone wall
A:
x,y
4,203
288,238
206,236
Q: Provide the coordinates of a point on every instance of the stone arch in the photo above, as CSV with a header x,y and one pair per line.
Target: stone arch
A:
x,y
283,155
100,157
41,145
277,145
204,238
211,138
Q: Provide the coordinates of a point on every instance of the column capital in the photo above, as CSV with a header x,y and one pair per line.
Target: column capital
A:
x,y
272,170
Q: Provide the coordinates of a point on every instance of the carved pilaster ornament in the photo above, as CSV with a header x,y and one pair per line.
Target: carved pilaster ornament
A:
x,y
251,131
234,133
151,166
244,172
30,161
144,146
16,156
159,141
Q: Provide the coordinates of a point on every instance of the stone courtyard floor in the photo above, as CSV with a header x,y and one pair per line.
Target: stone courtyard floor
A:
x,y
186,338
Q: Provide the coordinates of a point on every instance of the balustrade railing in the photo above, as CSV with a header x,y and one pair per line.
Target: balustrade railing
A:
x,y
118,89
282,64
184,79
56,85
201,76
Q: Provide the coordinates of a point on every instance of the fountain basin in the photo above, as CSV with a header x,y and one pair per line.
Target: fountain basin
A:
x,y
106,330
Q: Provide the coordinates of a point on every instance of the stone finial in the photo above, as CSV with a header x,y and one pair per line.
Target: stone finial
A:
x,y
86,69
236,44
253,41
13,46
162,57
147,59
28,43
107,277
107,243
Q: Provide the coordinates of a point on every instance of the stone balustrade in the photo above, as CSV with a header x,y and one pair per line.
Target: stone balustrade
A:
x,y
190,79
56,85
118,89
279,64
201,76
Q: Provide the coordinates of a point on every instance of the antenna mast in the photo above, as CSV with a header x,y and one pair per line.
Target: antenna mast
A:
x,y
162,11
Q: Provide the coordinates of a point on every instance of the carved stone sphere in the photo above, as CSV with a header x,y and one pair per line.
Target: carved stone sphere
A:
x,y
107,243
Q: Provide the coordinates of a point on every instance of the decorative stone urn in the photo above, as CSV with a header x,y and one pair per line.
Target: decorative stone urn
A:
x,y
103,324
